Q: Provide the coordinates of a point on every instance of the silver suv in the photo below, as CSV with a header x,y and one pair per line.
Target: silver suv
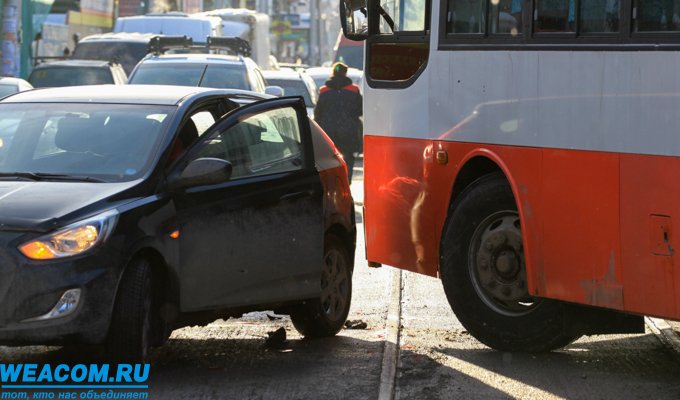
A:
x,y
220,71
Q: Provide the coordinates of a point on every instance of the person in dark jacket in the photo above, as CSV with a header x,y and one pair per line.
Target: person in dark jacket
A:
x,y
337,112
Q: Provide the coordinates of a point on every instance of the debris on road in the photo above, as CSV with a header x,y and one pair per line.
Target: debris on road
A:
x,y
276,339
355,324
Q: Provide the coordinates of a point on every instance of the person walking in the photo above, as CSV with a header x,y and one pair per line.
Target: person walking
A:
x,y
338,111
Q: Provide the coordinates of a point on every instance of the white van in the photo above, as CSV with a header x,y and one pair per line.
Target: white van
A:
x,y
172,24
249,25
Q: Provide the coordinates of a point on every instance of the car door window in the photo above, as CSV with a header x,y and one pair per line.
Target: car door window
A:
x,y
203,120
261,144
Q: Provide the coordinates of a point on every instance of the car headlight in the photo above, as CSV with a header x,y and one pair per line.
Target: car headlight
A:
x,y
73,239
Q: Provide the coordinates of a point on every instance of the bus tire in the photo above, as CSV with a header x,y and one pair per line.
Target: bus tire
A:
x,y
484,276
325,316
130,334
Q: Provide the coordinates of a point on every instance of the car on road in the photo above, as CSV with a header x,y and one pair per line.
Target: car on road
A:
x,y
322,74
221,71
129,211
123,47
77,73
294,83
174,23
10,85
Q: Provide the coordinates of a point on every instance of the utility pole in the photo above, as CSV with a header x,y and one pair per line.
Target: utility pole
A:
x,y
10,47
314,23
26,37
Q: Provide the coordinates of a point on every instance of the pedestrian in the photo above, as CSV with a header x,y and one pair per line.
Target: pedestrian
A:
x,y
338,112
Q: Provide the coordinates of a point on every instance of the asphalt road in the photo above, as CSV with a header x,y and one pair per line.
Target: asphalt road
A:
x,y
412,348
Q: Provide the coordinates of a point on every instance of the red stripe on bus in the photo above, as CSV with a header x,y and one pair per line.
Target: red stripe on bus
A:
x,y
596,225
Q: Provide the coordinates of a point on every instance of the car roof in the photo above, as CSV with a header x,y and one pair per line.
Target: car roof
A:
x,y
75,63
121,94
6,80
282,74
119,36
197,58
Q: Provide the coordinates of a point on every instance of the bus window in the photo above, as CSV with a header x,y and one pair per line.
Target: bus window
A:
x,y
599,16
466,16
657,15
506,16
408,15
554,16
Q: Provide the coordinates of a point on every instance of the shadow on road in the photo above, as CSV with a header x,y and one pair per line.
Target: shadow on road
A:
x,y
604,367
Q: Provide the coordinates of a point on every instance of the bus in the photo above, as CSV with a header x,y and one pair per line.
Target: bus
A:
x,y
349,52
527,153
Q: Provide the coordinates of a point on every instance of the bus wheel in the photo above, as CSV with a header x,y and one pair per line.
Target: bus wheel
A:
x,y
484,275
326,315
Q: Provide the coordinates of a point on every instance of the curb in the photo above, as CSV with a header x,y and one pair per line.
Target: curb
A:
x,y
665,333
390,359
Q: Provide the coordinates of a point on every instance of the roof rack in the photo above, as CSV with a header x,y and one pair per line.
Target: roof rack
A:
x,y
160,44
234,44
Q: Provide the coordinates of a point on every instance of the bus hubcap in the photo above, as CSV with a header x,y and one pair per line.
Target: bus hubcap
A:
x,y
497,264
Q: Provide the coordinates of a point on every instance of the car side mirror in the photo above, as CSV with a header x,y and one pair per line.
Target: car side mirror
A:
x,y
203,171
354,19
274,91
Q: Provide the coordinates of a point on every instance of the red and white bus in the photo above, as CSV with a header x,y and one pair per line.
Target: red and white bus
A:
x,y
527,152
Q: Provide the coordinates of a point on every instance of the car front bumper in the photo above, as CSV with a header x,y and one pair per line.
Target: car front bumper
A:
x,y
29,290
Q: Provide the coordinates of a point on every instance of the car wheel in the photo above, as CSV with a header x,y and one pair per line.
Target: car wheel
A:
x,y
326,315
130,332
484,275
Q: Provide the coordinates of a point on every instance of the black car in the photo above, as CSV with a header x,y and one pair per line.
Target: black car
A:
x,y
129,211
77,73
124,48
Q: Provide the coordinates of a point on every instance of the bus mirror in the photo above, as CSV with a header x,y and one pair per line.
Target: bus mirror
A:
x,y
354,19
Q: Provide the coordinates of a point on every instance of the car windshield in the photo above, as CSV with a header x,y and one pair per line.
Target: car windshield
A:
x,y
108,142
216,76
293,87
70,76
127,54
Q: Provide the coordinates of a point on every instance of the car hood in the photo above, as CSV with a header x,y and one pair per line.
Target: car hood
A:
x,y
39,206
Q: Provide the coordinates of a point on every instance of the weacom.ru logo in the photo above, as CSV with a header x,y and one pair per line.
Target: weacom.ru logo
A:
x,y
79,381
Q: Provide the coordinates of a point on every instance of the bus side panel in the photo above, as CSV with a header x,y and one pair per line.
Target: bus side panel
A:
x,y
398,223
581,248
650,199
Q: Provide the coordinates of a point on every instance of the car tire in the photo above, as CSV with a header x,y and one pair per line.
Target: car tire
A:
x,y
325,316
484,276
130,333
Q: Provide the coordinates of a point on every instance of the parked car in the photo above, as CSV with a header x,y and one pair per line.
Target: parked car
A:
x,y
206,70
124,48
13,85
126,221
77,73
322,74
294,83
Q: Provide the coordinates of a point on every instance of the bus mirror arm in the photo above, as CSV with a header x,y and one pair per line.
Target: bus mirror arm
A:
x,y
386,16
